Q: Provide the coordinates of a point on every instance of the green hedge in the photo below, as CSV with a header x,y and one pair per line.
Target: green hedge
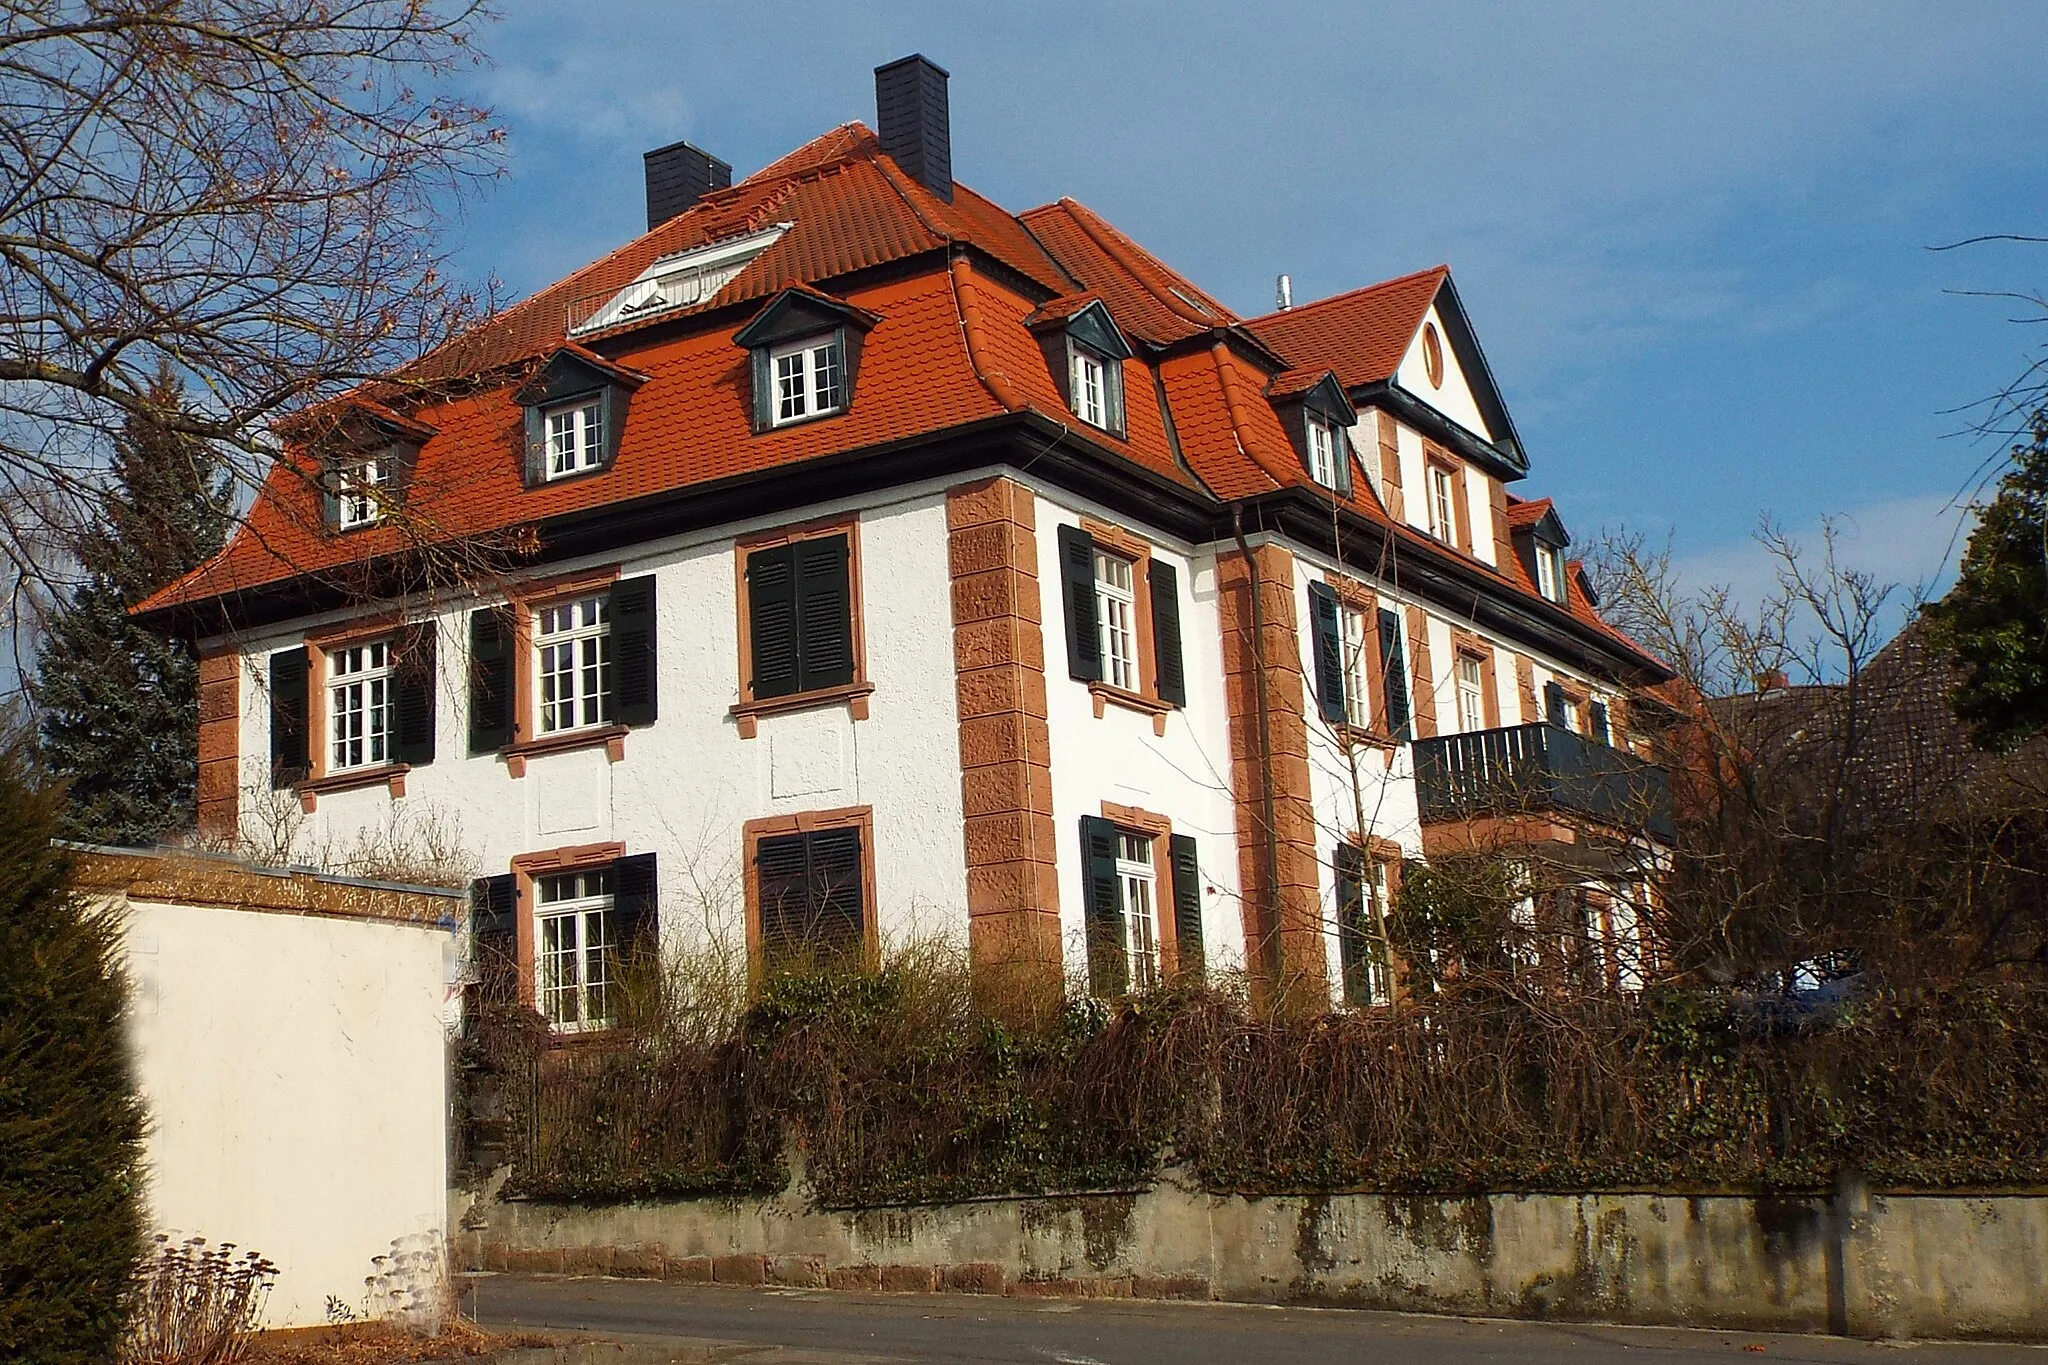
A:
x,y
70,1126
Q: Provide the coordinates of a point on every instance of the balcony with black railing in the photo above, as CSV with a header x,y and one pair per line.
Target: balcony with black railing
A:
x,y
1540,768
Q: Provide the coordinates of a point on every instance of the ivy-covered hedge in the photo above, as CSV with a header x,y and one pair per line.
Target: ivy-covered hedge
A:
x,y
888,1095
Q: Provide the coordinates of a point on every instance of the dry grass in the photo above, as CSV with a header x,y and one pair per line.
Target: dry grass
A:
x,y
377,1343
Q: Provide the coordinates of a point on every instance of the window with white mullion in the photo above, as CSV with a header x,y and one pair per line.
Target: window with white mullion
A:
x,y
1443,505
574,944
1549,572
359,718
1355,640
1116,610
1091,387
1136,885
575,437
360,501
573,648
1471,693
809,378
1323,452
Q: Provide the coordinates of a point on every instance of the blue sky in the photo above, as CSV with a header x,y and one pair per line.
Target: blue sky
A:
x,y
1694,239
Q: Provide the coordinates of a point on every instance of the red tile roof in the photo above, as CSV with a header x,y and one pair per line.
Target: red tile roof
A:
x,y
950,345
1526,511
1362,335
1148,298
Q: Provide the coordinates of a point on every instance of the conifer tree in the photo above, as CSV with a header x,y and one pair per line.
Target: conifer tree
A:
x,y
120,704
70,1125
1995,620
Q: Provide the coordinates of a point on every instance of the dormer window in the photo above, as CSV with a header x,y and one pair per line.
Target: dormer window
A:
x,y
363,484
1312,406
1550,572
804,353
575,437
809,377
1085,352
575,414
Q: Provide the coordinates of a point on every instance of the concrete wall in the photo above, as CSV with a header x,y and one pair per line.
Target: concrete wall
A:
x,y
294,1070
1874,1266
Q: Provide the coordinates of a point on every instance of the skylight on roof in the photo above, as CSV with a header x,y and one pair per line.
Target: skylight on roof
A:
x,y
682,280
1191,301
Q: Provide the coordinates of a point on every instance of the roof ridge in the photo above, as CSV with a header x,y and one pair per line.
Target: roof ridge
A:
x,y
1119,247
1349,294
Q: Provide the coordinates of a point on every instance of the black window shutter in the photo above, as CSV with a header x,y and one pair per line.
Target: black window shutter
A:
x,y
1356,948
634,692
824,613
836,889
636,906
771,621
1596,719
1077,589
535,458
764,389
615,400
1394,676
1171,680
1329,651
811,896
1113,393
1108,973
331,474
1187,904
1341,443
290,757
1553,703
414,686
490,681
494,938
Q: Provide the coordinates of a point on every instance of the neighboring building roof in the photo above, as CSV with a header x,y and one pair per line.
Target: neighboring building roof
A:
x,y
1912,758
1362,334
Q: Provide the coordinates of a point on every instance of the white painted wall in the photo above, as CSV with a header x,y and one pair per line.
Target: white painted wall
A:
x,y
688,783
1454,397
295,1073
1184,775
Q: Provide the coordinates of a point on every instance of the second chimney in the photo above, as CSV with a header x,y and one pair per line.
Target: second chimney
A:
x,y
678,175
910,106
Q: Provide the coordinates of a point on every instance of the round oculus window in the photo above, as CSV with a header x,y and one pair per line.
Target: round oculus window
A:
x,y
1432,355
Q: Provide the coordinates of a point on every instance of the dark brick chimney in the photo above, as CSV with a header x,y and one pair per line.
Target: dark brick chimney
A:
x,y
678,175
910,107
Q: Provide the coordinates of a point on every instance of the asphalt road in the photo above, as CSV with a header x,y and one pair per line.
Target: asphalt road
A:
x,y
710,1323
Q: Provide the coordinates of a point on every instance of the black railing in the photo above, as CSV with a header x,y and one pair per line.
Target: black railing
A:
x,y
1540,767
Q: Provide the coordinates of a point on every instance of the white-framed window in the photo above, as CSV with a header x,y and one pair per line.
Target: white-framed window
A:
x,y
1136,884
809,378
1471,692
1573,717
1116,616
1443,505
1325,453
575,437
1549,572
574,942
1092,374
1624,945
573,646
1354,631
360,499
359,706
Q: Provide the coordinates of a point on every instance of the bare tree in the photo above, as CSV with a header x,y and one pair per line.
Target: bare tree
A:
x,y
249,190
